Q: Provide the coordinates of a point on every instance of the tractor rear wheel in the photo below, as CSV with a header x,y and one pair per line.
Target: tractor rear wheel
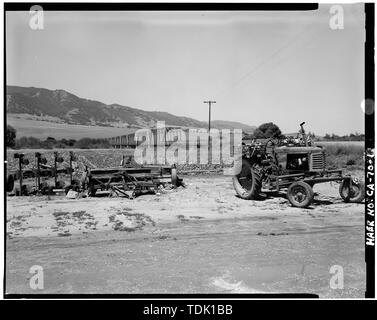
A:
x,y
353,193
248,182
300,194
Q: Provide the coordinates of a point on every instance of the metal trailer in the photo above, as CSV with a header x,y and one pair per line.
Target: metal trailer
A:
x,y
121,181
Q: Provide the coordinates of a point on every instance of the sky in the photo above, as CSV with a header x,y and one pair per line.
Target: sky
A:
x,y
281,67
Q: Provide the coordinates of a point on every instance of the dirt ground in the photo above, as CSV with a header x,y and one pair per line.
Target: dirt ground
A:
x,y
198,239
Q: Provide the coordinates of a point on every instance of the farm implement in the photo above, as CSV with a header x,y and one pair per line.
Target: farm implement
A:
x,y
129,179
130,182
291,164
40,170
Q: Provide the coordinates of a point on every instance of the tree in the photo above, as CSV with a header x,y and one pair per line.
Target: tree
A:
x,y
71,142
51,139
90,143
10,136
267,130
28,143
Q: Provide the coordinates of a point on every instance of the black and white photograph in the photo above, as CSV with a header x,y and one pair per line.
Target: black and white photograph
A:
x,y
189,150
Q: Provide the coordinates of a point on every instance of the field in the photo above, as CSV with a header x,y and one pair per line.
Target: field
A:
x,y
343,155
44,129
92,158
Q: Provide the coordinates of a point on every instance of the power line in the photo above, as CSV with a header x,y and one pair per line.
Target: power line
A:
x,y
254,69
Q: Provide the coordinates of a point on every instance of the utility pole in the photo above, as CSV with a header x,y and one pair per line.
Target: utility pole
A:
x,y
56,168
209,130
20,170
209,113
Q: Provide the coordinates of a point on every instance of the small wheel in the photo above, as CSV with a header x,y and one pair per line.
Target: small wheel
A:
x,y
174,177
10,183
92,191
84,180
300,194
352,190
66,189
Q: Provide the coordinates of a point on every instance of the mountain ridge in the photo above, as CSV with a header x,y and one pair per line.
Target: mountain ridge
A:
x,y
65,107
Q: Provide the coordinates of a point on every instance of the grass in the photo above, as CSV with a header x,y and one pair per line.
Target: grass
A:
x,y
344,154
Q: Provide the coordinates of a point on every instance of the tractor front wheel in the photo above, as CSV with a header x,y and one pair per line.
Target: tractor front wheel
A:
x,y
352,190
300,194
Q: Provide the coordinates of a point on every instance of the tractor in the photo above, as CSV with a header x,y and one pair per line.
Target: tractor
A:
x,y
291,164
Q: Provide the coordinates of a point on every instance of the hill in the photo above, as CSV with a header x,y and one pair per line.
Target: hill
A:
x,y
221,124
59,106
